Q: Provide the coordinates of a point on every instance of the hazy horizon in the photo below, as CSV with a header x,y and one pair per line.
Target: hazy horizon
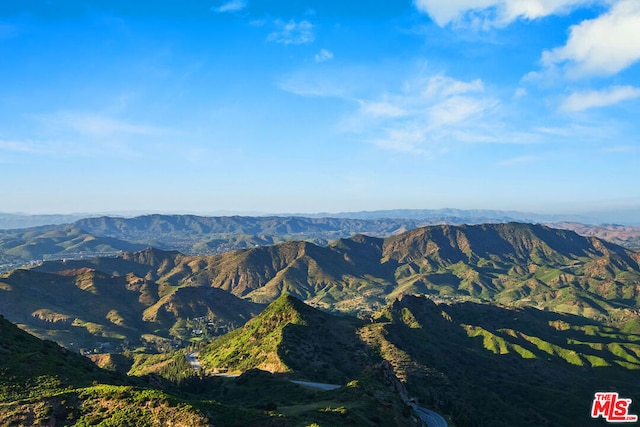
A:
x,y
628,216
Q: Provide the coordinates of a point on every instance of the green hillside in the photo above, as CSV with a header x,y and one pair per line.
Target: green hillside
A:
x,y
44,384
278,340
479,364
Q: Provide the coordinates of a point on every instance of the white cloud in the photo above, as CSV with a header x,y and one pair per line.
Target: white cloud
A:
x,y
456,109
321,86
230,6
580,101
428,114
324,55
486,13
601,46
292,32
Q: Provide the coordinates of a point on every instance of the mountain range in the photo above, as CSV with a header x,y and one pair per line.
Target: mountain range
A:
x,y
150,293
489,324
195,235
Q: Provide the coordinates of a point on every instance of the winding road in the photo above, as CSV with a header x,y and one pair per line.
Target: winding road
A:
x,y
429,417
192,358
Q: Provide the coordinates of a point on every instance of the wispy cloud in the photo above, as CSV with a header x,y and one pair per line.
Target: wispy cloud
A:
x,y
429,113
292,32
330,82
601,46
323,55
621,149
381,109
520,93
230,6
95,125
16,146
494,13
517,161
580,101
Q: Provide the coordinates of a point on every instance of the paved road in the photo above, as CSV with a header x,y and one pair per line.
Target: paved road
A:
x,y
320,386
192,358
432,419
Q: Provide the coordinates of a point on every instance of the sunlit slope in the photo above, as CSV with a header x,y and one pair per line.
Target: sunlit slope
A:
x,y
83,307
291,337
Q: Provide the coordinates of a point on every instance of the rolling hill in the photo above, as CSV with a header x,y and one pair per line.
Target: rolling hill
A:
x,y
153,292
85,308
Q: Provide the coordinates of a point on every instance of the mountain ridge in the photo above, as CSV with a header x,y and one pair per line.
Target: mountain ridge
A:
x,y
194,235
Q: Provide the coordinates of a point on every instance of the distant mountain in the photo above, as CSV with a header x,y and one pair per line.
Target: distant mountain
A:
x,y
195,235
454,216
18,247
10,221
625,216
622,235
212,232
72,241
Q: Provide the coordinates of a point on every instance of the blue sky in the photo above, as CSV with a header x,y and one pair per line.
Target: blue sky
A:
x,y
319,106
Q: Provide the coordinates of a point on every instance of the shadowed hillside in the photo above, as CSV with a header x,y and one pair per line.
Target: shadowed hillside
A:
x,y
481,364
490,365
